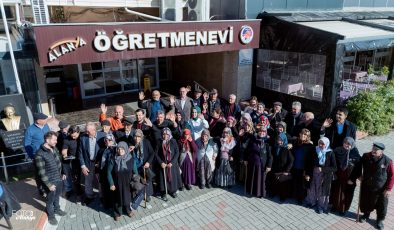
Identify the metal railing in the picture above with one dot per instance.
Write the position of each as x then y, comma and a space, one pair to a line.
5, 166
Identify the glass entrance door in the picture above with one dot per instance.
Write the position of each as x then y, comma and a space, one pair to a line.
105, 78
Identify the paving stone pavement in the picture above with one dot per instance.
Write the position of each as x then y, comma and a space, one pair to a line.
224, 209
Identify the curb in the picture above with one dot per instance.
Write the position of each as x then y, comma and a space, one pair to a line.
42, 221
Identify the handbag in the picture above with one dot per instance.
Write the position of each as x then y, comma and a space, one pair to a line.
137, 199
282, 177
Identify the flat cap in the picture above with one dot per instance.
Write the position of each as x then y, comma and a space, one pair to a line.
197, 90
379, 145
63, 124
127, 121
213, 91
105, 122
278, 103
39, 116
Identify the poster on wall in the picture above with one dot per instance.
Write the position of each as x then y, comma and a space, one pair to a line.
246, 57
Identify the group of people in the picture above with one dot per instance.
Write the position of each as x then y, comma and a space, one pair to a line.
206, 141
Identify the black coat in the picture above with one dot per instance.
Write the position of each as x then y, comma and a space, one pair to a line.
290, 119
147, 105
120, 135
283, 161
83, 149
328, 169
349, 130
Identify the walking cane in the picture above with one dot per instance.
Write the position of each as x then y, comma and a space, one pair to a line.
251, 187
359, 200
246, 176
146, 184
165, 180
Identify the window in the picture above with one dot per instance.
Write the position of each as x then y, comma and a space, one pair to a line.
298, 74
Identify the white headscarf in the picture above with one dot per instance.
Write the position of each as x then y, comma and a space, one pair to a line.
321, 154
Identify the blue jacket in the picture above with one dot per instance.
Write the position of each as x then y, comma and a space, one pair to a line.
34, 138
83, 150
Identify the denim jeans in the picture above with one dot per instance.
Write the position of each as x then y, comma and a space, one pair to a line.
52, 204
68, 171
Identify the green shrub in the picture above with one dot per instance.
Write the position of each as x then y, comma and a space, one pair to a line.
373, 112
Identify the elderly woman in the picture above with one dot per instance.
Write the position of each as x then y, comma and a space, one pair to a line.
119, 174
104, 156
259, 163
349, 166
279, 177
206, 157
224, 175
197, 123
187, 159
320, 170
167, 157
143, 155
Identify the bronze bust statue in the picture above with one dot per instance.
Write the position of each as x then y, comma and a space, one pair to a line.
11, 121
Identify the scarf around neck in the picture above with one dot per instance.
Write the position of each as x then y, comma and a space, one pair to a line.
321, 153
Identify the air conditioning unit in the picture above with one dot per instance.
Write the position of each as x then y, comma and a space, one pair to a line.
172, 10
198, 10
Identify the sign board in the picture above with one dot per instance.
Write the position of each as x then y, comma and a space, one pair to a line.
64, 44
13, 140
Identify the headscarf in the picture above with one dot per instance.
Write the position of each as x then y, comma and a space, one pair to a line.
121, 160
343, 155
321, 154
198, 109
283, 145
138, 151
166, 131
184, 141
206, 132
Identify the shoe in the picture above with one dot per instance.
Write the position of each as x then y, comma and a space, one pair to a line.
174, 195
52, 220
87, 201
60, 213
181, 188
164, 197
379, 224
201, 186
319, 211
364, 218
188, 187
117, 218
209, 186
326, 211
342, 213
130, 214
68, 194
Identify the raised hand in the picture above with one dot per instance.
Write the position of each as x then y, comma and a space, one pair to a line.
103, 108
141, 96
327, 123
172, 99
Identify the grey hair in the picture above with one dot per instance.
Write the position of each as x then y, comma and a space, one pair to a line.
296, 104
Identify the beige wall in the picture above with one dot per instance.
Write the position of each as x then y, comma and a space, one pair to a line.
42, 89
214, 70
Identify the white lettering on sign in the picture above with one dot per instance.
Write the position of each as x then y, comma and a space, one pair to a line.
120, 41
63, 47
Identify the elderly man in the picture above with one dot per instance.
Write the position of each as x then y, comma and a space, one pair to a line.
213, 102
232, 108
277, 114
309, 122
377, 183
155, 104
90, 144
184, 104
127, 133
292, 119
34, 138
116, 120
